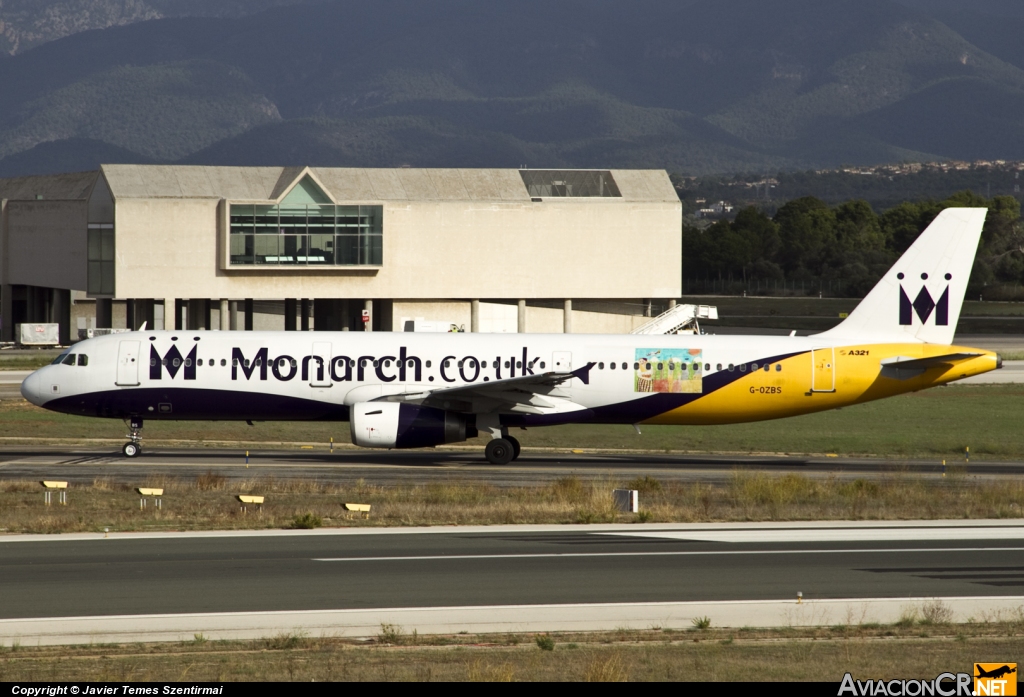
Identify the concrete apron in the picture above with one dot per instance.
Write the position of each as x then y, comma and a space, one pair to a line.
502, 619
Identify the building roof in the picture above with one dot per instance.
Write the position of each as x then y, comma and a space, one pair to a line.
51, 187
355, 184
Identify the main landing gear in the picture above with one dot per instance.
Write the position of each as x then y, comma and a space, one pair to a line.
501, 451
133, 448
503, 448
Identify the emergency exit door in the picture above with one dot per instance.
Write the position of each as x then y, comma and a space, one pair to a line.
823, 377
561, 361
128, 364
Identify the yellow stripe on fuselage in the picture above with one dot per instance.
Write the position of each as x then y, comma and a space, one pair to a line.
858, 377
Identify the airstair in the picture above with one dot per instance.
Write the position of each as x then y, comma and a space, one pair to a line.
681, 319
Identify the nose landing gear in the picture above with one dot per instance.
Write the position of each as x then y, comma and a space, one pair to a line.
133, 448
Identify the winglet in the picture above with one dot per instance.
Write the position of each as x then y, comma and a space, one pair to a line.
583, 373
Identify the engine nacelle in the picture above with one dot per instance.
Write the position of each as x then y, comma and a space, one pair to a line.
395, 425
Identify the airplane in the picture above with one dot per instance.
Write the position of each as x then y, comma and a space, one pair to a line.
995, 672
414, 390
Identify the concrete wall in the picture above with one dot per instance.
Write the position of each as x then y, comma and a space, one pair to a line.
583, 248
539, 320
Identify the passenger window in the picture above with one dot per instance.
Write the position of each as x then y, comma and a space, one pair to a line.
636, 366
778, 367
624, 367
611, 366
767, 367
743, 367
376, 363
506, 364
718, 367
427, 364
647, 367
223, 362
519, 364
188, 362
199, 362
707, 366
696, 367
661, 366
600, 366
731, 367
69, 359
754, 367
542, 364
234, 362
83, 359
447, 364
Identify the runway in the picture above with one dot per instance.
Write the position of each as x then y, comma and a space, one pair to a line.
83, 465
494, 575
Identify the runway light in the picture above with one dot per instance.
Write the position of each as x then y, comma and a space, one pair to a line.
799, 597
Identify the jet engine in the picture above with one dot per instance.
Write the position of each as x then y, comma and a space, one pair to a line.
394, 425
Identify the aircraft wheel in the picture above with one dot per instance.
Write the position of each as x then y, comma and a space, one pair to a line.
499, 452
516, 448
131, 450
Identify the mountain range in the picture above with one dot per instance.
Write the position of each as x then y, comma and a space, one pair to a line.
693, 86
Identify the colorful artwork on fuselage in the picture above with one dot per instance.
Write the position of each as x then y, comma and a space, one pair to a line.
667, 370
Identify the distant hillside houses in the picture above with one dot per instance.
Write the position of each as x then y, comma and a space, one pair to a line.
715, 209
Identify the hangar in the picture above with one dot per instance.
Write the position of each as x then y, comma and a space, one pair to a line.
297, 248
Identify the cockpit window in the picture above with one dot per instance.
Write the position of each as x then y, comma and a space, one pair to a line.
83, 359
59, 359
69, 359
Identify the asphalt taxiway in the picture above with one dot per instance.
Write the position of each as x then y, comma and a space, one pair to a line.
84, 464
487, 578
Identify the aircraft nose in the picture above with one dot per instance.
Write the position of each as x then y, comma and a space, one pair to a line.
32, 388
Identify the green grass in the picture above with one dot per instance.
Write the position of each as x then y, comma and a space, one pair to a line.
22, 362
937, 423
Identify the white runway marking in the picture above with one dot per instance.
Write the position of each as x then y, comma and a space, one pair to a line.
570, 555
834, 535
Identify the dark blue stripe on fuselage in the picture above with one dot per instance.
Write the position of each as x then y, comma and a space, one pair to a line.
198, 404
637, 410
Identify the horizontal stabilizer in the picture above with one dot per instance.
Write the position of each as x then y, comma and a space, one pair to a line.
904, 367
903, 362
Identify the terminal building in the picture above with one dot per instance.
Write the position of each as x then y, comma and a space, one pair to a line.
310, 248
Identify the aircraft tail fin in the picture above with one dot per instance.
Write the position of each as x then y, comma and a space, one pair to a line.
920, 297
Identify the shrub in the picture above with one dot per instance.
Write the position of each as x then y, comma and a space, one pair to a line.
307, 521
545, 643
645, 484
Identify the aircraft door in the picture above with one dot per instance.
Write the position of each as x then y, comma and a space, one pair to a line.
823, 377
320, 370
128, 364
561, 361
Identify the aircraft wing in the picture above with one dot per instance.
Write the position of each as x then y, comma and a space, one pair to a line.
528, 394
903, 367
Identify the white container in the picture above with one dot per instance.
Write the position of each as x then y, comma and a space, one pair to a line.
38, 334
